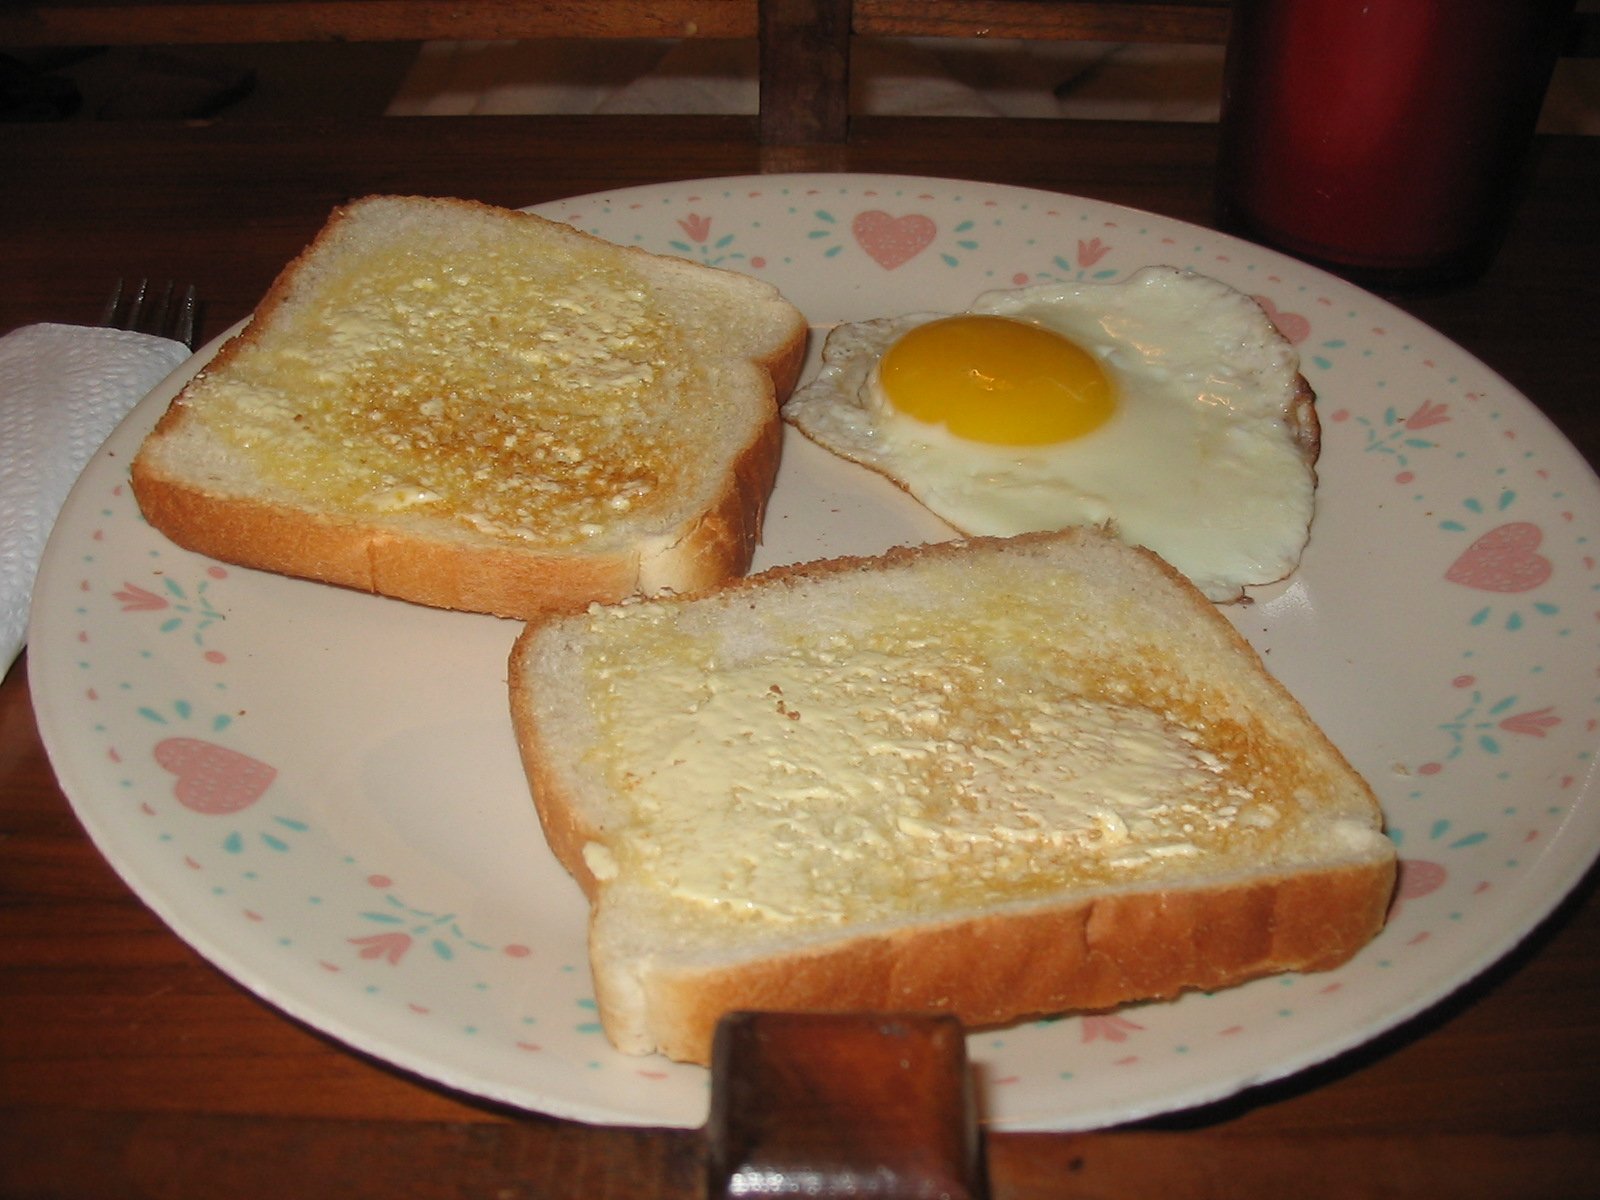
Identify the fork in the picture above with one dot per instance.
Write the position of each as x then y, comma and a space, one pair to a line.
151, 309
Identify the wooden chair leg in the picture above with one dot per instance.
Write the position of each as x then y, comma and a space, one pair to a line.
842, 1105
805, 71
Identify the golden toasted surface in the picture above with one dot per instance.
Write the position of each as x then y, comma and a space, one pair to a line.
972, 734
469, 374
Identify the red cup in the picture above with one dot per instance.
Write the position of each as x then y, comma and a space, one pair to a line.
1383, 139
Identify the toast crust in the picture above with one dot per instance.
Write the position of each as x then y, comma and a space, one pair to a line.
479, 574
997, 969
506, 582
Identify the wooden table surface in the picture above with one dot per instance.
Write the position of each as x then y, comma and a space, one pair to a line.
129, 1067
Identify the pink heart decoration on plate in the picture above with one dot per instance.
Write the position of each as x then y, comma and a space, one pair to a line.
1417, 878
213, 779
1505, 559
892, 241
1294, 327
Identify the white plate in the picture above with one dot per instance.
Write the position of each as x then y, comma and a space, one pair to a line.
319, 790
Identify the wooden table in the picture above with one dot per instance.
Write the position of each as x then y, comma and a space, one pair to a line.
129, 1067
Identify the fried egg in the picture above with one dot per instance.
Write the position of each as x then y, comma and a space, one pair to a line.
1166, 407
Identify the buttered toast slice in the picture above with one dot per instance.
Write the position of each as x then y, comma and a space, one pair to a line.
477, 408
999, 778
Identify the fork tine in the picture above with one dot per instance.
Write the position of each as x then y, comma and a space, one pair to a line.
184, 324
135, 311
156, 321
108, 315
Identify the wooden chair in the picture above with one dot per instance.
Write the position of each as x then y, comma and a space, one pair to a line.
805, 44
220, 22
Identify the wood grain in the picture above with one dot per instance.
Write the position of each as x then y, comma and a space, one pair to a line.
216, 22
226, 22
1170, 21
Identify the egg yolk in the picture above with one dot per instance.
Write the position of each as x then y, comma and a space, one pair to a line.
996, 380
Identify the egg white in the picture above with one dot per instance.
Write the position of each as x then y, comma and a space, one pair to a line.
1208, 459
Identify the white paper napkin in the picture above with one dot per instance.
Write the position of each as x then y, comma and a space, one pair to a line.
63, 388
